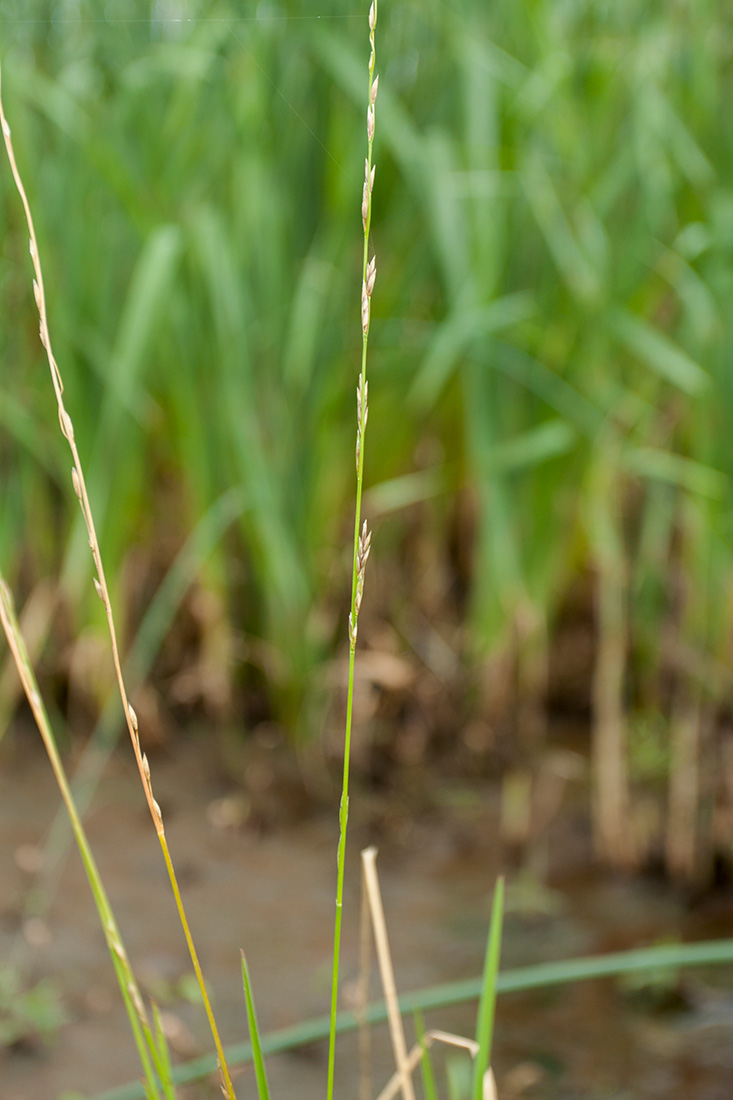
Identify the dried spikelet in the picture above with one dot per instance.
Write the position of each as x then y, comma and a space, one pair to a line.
75, 482
371, 275
373, 16
364, 309
98, 589
365, 544
66, 426
133, 717
370, 122
374, 89
362, 391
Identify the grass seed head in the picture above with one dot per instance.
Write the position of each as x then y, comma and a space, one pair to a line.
67, 427
371, 275
365, 543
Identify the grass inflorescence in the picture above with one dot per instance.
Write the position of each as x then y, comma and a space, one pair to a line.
362, 536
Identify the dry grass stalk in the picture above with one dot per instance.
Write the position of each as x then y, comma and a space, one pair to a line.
100, 583
611, 794
147, 1048
77, 475
35, 622
401, 1080
406, 1062
681, 849
362, 997
418, 1052
386, 970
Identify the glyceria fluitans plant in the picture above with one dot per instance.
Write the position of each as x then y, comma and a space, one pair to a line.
100, 584
362, 536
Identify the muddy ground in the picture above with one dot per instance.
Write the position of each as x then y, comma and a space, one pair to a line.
258, 872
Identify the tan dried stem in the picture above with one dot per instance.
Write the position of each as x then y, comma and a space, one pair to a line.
386, 970
100, 581
77, 474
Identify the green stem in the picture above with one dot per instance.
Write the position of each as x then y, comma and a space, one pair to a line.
142, 1033
361, 550
223, 1068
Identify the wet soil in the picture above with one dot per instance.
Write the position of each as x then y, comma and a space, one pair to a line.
256, 879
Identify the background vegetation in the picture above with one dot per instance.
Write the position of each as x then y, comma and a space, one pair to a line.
548, 468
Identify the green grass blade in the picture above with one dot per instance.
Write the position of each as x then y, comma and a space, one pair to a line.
487, 1003
164, 1065
144, 1041
661, 354
711, 953
259, 1062
426, 1064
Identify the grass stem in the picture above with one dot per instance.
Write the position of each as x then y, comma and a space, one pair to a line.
362, 537
100, 583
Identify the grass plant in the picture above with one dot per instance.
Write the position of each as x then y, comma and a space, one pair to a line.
603, 445
149, 1041
362, 537
487, 1000
263, 1090
553, 188
153, 1043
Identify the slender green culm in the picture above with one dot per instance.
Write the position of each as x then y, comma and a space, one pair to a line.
487, 1002
78, 481
155, 1068
430, 1088
362, 537
161, 1041
263, 1090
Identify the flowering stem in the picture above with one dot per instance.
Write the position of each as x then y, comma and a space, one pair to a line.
362, 537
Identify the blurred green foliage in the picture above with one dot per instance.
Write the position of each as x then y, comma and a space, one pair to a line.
27, 1015
551, 325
